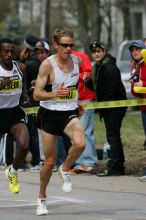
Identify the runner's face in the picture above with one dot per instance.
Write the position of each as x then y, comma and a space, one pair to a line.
97, 54
7, 53
64, 46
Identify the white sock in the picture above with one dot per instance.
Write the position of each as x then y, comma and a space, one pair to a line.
12, 170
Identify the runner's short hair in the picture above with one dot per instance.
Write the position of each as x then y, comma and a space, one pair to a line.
62, 32
5, 40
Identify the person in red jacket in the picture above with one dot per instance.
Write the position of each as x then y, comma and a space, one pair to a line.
87, 162
138, 75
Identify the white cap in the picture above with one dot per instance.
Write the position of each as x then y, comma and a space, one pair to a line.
42, 45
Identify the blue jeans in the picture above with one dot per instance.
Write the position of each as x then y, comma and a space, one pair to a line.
63, 145
89, 155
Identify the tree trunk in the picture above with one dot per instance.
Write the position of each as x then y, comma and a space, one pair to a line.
43, 19
126, 18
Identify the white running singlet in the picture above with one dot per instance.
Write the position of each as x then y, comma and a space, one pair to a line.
70, 81
10, 95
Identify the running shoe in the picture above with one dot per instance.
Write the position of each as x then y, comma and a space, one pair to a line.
35, 169
55, 169
86, 169
66, 184
72, 171
143, 178
42, 207
14, 186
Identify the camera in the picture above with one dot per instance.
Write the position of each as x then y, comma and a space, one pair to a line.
135, 77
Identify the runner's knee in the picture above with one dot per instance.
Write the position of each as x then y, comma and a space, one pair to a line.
23, 143
80, 145
49, 163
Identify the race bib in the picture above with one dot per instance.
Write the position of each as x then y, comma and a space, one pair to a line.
70, 96
15, 85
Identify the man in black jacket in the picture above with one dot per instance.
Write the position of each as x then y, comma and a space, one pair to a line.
106, 82
32, 64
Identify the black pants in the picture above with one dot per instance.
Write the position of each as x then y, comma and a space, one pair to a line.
9, 149
113, 119
34, 139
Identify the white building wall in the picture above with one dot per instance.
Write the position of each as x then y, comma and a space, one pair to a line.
117, 16
117, 26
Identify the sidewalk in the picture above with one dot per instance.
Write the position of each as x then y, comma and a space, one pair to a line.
92, 198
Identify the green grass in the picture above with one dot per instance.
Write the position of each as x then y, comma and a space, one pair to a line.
133, 137
132, 133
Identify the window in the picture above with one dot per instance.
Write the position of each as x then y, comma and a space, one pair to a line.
136, 21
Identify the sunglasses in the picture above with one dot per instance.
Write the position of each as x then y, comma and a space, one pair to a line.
66, 45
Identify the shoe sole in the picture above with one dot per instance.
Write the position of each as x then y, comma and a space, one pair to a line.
42, 214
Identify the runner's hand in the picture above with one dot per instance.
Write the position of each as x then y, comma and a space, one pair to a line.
61, 91
85, 77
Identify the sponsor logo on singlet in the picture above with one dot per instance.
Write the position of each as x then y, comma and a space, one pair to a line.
74, 74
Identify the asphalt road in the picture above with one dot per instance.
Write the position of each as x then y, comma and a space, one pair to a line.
99, 198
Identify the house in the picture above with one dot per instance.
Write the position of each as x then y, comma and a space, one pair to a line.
30, 13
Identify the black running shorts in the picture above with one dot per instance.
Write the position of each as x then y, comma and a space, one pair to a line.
10, 117
54, 122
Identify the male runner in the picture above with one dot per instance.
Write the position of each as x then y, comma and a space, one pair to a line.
12, 117
56, 89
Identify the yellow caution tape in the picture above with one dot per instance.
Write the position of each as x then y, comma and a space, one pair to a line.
139, 89
115, 104
31, 110
100, 105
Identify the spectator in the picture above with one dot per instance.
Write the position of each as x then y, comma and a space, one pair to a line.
32, 64
138, 75
42, 50
106, 82
87, 162
138, 78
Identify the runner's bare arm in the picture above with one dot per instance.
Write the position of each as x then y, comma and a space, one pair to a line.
24, 97
45, 77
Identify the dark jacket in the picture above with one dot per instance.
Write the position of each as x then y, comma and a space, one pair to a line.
106, 80
31, 71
